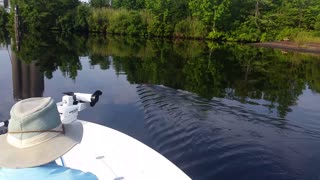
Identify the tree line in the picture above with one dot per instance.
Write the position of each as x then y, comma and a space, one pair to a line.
227, 20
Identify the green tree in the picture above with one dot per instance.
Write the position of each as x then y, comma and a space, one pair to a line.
317, 23
4, 17
100, 3
129, 4
44, 14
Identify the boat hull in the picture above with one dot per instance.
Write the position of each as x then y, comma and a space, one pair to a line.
110, 154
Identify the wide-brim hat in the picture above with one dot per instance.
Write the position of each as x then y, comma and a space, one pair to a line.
36, 135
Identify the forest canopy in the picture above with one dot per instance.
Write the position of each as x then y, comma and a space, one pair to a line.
228, 20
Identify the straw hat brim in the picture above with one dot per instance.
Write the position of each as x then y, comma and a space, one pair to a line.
12, 157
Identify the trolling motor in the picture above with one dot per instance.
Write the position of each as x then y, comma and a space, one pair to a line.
69, 107
72, 103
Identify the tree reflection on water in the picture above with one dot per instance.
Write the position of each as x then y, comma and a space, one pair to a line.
239, 72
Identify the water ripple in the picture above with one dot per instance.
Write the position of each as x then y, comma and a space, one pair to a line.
219, 138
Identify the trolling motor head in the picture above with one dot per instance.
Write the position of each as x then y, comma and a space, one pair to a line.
95, 98
84, 98
72, 103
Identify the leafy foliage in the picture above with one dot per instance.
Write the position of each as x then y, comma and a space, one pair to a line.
4, 17
129, 4
117, 21
227, 20
49, 14
100, 3
190, 28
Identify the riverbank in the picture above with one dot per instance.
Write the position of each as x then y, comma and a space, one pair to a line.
291, 46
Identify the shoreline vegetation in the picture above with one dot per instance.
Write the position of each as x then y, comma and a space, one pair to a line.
248, 21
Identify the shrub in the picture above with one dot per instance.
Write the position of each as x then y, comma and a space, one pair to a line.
190, 28
81, 19
287, 33
317, 23
3, 17
98, 19
158, 27
117, 21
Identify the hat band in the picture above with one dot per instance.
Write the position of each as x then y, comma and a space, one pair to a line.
35, 140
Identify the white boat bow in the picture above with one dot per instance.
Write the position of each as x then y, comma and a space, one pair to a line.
110, 154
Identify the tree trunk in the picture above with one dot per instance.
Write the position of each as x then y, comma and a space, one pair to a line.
257, 13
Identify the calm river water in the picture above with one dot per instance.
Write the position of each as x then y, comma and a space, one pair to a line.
218, 111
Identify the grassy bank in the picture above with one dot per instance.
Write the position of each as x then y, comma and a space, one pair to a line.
307, 37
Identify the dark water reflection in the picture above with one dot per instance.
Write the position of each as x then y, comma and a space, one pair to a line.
221, 139
224, 111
